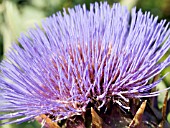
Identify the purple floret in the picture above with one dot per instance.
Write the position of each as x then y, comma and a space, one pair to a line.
76, 57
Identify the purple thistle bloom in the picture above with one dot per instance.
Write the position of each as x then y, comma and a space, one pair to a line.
100, 54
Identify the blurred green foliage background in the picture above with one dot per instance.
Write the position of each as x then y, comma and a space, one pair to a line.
17, 16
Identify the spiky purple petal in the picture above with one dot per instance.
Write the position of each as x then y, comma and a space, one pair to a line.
80, 56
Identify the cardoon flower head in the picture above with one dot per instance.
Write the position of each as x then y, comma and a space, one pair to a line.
83, 58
